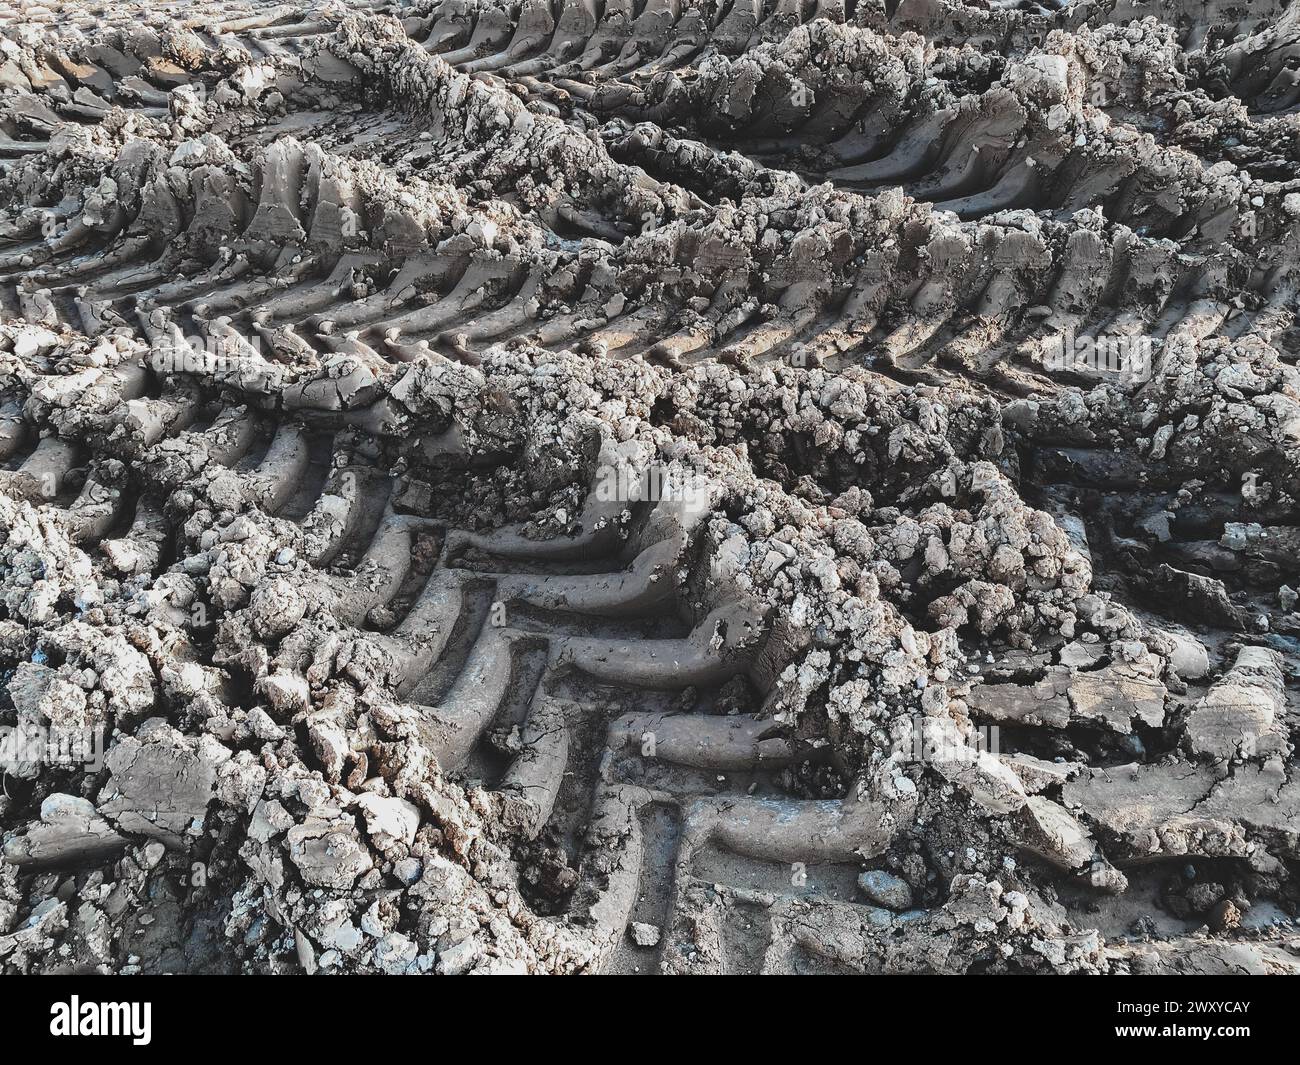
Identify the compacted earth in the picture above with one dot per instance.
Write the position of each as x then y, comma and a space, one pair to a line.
650, 486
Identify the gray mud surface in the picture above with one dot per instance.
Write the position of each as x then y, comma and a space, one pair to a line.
632, 486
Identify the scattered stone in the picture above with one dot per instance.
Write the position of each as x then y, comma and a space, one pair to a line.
644, 935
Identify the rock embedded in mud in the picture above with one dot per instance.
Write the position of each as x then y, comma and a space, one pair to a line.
884, 889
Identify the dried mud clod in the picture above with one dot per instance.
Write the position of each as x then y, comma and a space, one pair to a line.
621, 487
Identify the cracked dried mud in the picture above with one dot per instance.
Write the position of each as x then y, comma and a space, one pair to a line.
648, 486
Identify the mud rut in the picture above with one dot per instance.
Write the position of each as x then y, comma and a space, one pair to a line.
324, 329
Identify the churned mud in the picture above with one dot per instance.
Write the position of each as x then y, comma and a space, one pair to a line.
633, 486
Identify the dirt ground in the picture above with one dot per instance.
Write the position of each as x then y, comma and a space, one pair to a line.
648, 486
